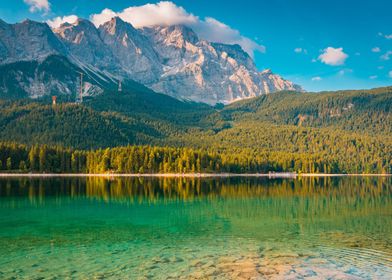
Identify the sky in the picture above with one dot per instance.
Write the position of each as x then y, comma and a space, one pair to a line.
318, 44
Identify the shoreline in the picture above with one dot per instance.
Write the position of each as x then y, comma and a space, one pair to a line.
282, 175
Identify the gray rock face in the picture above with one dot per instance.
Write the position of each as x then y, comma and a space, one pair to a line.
132, 49
85, 44
167, 59
28, 40
51, 76
208, 72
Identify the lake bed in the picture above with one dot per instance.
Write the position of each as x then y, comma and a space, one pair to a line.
196, 228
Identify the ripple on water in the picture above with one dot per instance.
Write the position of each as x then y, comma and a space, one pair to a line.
251, 230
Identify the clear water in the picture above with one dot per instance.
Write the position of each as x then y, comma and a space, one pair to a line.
131, 228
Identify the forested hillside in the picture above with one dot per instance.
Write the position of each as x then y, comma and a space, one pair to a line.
368, 111
346, 131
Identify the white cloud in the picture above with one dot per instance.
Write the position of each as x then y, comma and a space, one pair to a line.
301, 50
316, 79
38, 5
56, 22
373, 77
162, 13
167, 13
298, 50
104, 16
333, 56
376, 49
345, 71
213, 30
390, 74
386, 36
386, 56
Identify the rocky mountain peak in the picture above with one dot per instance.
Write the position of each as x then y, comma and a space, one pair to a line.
170, 39
3, 23
30, 27
28, 40
83, 41
133, 51
178, 33
117, 26
266, 72
168, 59
235, 52
77, 31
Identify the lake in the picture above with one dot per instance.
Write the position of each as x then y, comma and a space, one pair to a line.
176, 228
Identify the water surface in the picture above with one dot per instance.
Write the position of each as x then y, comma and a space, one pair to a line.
227, 228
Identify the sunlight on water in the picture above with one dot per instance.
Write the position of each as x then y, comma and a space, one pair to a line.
142, 228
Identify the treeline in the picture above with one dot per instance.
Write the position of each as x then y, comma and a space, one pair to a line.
147, 159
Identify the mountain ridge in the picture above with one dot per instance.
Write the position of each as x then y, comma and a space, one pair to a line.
168, 59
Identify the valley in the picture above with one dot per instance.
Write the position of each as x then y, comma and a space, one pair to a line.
287, 131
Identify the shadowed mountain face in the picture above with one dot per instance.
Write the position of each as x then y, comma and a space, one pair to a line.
28, 40
168, 59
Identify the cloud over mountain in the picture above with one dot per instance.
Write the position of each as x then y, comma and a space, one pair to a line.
166, 13
57, 21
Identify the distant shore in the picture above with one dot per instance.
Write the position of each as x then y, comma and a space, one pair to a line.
274, 175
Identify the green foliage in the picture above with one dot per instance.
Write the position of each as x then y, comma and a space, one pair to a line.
147, 159
346, 132
368, 111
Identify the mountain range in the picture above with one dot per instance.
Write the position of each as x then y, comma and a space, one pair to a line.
178, 91
36, 61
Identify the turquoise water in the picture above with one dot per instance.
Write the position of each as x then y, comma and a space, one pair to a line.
248, 228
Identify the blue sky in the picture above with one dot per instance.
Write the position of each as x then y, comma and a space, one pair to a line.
321, 45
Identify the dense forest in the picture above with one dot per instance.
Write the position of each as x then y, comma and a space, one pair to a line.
145, 132
147, 159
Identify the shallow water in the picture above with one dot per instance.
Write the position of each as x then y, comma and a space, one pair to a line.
233, 228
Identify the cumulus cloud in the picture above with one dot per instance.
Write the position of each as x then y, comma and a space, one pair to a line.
167, 13
373, 77
316, 79
376, 49
104, 16
213, 30
333, 56
390, 74
386, 56
56, 22
38, 5
162, 13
